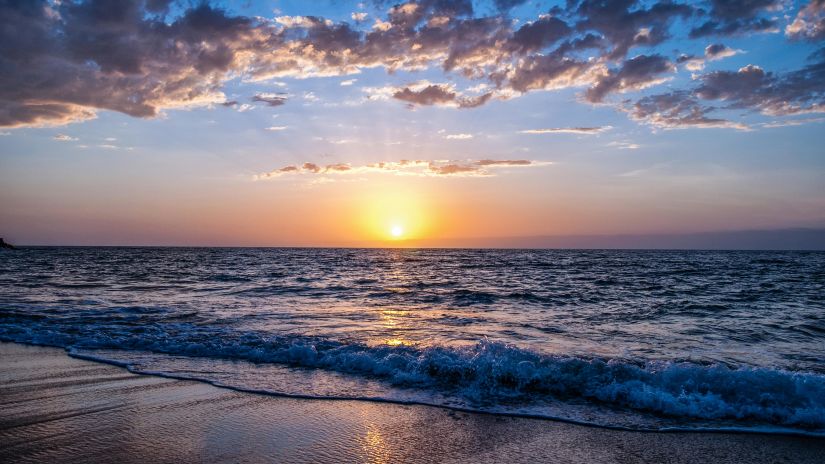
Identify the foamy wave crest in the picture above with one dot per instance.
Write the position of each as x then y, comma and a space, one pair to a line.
490, 373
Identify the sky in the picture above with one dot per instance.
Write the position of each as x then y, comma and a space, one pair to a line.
434, 122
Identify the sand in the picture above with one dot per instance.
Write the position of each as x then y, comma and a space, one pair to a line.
54, 408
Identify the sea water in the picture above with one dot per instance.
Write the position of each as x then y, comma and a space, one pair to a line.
654, 340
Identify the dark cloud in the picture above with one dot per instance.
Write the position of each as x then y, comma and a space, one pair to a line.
751, 87
271, 99
677, 110
430, 95
568, 130
627, 23
539, 34
636, 73
726, 17
158, 6
435, 94
548, 72
716, 50
506, 5
64, 61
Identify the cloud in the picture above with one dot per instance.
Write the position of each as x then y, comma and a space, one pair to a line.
624, 145
626, 23
458, 136
141, 58
719, 51
490, 162
568, 130
438, 95
505, 5
418, 168
809, 23
72, 59
635, 74
677, 110
727, 17
348, 82
751, 87
539, 34
65, 138
271, 99
691, 62
277, 128
792, 122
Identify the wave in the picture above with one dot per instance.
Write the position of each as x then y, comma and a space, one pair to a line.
489, 373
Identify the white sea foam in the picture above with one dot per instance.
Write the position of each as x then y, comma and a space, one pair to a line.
489, 374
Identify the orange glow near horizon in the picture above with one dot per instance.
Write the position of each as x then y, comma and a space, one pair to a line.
395, 216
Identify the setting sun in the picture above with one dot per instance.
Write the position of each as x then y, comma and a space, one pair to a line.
397, 231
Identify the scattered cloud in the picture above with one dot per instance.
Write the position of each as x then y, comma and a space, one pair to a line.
141, 62
691, 62
715, 52
277, 128
427, 94
725, 18
749, 88
624, 145
348, 82
420, 168
677, 110
65, 138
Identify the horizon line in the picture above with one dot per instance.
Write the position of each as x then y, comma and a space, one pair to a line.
801, 239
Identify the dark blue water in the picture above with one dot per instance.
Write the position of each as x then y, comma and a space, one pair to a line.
638, 339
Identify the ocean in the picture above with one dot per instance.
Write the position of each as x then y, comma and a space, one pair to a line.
645, 340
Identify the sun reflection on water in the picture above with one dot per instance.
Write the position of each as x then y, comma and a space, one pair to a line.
374, 445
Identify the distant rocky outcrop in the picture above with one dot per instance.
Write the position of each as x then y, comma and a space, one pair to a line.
3, 244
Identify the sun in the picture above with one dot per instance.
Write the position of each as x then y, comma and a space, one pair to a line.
396, 231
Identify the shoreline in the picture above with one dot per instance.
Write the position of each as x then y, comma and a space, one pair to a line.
80, 410
516, 415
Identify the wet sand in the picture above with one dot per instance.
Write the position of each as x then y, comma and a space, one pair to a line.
54, 408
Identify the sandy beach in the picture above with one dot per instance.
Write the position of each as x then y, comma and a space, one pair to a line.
59, 409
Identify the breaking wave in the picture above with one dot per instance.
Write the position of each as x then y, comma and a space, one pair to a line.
489, 374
